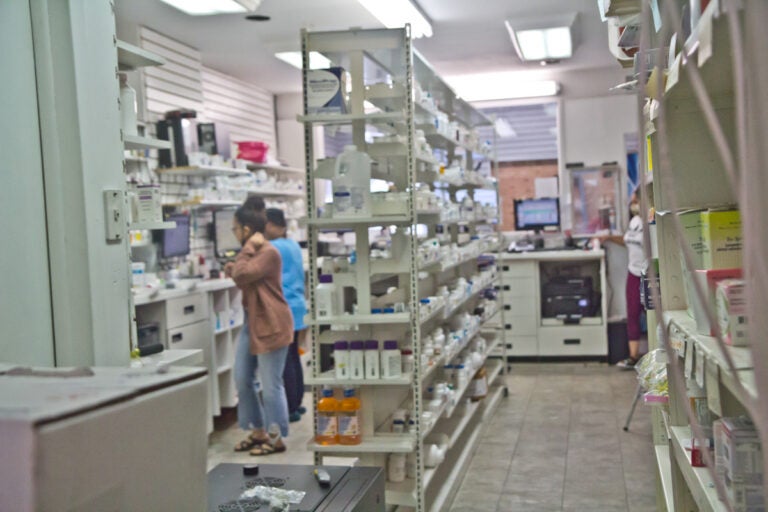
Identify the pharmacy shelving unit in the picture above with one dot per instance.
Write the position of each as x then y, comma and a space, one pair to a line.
700, 181
373, 58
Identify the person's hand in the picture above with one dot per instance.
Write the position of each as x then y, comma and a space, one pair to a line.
228, 268
257, 240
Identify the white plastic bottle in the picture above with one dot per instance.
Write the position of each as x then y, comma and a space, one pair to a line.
356, 360
372, 363
326, 303
391, 361
128, 108
341, 359
352, 184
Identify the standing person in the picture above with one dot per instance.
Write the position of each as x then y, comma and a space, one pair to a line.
264, 338
293, 289
633, 239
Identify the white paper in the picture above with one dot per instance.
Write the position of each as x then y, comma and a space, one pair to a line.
545, 187
700, 359
705, 37
656, 15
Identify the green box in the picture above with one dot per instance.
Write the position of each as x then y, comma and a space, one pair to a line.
721, 239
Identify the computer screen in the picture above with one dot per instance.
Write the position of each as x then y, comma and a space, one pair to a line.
176, 240
224, 241
537, 214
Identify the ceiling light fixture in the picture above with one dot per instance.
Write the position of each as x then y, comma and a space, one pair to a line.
543, 40
208, 7
396, 13
504, 85
316, 60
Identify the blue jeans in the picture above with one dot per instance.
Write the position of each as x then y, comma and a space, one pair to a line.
262, 372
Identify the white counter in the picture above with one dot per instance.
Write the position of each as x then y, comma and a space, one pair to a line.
574, 255
183, 287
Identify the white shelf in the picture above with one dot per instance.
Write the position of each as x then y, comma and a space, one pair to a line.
224, 369
138, 226
203, 171
699, 482
490, 402
465, 300
384, 117
130, 57
384, 318
381, 220
664, 466
281, 168
329, 379
456, 470
395, 443
139, 142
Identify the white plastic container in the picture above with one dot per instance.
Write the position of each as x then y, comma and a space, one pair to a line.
341, 359
396, 467
128, 108
352, 184
356, 360
391, 361
372, 360
326, 298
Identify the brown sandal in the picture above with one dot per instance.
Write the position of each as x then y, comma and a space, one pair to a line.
267, 449
248, 443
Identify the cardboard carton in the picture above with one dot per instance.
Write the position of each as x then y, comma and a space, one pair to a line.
732, 311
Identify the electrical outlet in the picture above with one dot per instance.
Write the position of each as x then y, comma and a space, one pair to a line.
114, 215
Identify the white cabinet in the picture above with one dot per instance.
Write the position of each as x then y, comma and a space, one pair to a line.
526, 332
186, 310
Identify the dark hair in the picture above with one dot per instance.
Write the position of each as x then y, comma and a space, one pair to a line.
247, 217
255, 203
276, 217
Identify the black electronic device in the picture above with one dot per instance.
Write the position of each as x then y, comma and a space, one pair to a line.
330, 489
569, 298
225, 243
172, 129
206, 138
537, 214
175, 241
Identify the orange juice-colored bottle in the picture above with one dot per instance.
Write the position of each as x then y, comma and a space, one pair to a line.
327, 421
349, 419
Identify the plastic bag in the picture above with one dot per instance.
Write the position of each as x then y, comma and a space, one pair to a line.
279, 500
652, 372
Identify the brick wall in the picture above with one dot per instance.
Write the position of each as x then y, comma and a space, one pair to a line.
516, 181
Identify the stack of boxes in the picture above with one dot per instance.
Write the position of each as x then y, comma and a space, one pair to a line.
739, 463
714, 237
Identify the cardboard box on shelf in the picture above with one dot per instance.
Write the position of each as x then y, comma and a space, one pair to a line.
327, 91
739, 461
731, 311
721, 239
708, 280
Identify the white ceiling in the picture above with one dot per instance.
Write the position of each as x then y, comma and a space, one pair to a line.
469, 36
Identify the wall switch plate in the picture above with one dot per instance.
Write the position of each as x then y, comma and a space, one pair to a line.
114, 215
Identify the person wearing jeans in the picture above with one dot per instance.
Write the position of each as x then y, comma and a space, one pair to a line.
264, 338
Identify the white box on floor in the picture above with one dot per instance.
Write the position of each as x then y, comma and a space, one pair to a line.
120, 440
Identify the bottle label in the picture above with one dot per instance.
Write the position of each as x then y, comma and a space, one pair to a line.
326, 425
480, 388
349, 425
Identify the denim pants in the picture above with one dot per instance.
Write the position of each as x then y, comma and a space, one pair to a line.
264, 373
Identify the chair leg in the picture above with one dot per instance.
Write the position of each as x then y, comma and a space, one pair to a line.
638, 394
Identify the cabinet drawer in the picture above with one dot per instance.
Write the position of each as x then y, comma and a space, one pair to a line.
573, 341
186, 310
197, 335
518, 286
522, 346
517, 325
518, 268
519, 306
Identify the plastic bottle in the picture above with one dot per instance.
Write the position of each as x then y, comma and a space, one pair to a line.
327, 421
396, 467
408, 361
326, 300
352, 184
349, 419
372, 363
128, 108
391, 361
341, 359
356, 360
479, 386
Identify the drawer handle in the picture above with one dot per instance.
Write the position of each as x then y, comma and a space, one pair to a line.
177, 337
505, 268
497, 288
507, 307
507, 288
508, 327
572, 341
188, 310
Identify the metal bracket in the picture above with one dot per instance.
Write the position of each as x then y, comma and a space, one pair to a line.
114, 222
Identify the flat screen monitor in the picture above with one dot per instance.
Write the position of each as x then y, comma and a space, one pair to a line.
176, 240
224, 241
537, 214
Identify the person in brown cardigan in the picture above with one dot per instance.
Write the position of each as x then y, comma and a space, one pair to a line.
263, 343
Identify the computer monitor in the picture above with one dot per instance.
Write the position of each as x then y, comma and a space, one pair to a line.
225, 244
537, 214
176, 241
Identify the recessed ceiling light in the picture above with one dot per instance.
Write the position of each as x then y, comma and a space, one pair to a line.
543, 40
500, 86
208, 7
396, 13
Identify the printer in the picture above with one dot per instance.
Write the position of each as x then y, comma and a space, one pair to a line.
350, 489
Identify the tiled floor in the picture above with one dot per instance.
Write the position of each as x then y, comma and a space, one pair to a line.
556, 443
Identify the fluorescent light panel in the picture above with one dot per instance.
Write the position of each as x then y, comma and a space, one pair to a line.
536, 41
500, 86
316, 60
396, 13
207, 7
